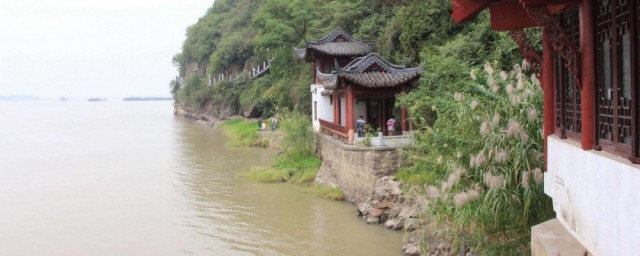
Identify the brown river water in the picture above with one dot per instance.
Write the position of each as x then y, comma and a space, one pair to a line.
129, 178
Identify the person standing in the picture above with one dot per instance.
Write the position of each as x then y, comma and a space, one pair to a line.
360, 126
391, 126
274, 123
259, 124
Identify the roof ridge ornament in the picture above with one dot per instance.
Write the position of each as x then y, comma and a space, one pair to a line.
332, 36
361, 64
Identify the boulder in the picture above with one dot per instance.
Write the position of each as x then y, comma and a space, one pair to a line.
399, 224
383, 205
411, 250
394, 212
375, 212
373, 220
389, 224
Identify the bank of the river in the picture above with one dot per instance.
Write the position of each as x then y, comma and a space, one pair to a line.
384, 202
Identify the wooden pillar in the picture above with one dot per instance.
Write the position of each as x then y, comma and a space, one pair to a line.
588, 74
339, 110
548, 85
336, 107
349, 99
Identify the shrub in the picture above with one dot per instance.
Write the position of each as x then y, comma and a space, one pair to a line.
484, 157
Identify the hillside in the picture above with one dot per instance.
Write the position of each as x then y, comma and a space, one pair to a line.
235, 36
475, 110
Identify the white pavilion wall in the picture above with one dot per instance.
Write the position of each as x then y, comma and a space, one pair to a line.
595, 196
324, 107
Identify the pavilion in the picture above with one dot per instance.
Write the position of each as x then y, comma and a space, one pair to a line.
590, 72
350, 81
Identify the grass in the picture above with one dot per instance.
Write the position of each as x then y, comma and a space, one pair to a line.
297, 164
268, 175
285, 170
326, 192
242, 132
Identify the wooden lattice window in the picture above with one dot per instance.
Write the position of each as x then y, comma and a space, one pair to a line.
568, 102
617, 75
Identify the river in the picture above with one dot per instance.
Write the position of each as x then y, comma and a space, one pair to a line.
129, 178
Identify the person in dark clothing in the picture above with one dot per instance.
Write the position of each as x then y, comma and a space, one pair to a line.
360, 126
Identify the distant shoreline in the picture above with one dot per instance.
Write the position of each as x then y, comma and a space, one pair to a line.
146, 98
17, 97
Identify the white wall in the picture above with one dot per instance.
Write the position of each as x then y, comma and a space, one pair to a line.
595, 196
325, 109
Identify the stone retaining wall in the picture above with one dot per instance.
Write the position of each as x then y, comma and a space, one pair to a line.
354, 169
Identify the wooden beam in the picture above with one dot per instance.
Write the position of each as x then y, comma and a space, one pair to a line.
548, 92
558, 38
550, 2
464, 10
527, 49
509, 15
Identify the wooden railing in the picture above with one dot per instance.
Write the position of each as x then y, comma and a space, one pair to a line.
334, 129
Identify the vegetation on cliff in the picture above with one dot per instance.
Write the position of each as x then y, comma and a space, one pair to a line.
479, 141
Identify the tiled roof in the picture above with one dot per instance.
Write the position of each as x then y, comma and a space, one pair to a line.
334, 35
326, 92
337, 43
371, 71
302, 52
328, 80
377, 79
344, 48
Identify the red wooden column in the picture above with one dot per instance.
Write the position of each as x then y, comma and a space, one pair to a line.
548, 87
336, 107
339, 109
349, 118
588, 74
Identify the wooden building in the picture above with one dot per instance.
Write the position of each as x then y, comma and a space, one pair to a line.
338, 46
369, 85
351, 81
589, 71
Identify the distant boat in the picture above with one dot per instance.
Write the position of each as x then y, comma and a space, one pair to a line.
97, 99
64, 99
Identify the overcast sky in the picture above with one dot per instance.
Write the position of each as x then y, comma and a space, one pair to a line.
92, 48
